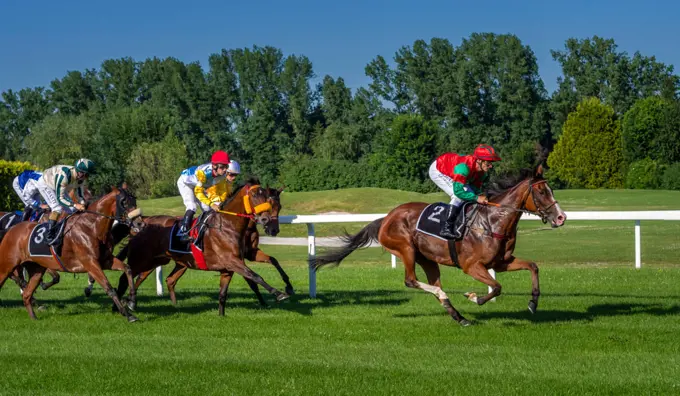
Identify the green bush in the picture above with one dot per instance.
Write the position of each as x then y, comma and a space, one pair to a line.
671, 177
312, 174
588, 153
8, 171
153, 168
644, 174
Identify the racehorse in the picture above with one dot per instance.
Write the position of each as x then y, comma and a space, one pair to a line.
223, 241
489, 242
252, 252
41, 216
87, 246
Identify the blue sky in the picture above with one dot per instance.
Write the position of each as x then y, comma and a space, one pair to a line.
41, 40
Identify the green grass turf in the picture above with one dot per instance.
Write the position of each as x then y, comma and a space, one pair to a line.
602, 326
599, 330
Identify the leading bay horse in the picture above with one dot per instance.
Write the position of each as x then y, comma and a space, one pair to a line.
252, 251
223, 242
87, 246
488, 244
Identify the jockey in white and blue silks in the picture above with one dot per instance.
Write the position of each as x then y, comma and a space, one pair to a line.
26, 188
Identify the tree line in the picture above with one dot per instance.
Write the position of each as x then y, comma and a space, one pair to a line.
613, 121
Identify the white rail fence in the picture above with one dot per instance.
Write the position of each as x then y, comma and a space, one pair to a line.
310, 220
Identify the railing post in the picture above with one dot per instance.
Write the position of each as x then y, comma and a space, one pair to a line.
492, 272
394, 261
311, 253
159, 281
638, 254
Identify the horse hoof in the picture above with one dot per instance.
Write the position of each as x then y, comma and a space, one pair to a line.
471, 296
290, 291
131, 305
132, 319
532, 307
88, 292
282, 297
42, 308
464, 323
43, 286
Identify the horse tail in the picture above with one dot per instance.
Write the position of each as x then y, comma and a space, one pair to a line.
350, 243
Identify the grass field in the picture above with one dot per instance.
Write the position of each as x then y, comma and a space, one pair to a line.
602, 326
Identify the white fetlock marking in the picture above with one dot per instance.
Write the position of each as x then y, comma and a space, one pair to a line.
472, 297
437, 291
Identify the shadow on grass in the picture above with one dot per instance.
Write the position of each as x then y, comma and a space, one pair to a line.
558, 316
150, 306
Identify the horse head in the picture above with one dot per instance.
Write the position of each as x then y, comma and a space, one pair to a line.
541, 201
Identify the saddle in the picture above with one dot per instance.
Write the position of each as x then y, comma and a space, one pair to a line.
434, 215
198, 228
39, 244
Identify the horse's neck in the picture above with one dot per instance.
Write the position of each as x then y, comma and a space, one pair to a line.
236, 205
502, 219
106, 206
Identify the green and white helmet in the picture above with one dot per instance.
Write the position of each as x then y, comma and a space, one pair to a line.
85, 165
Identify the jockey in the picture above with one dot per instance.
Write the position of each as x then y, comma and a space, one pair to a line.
27, 190
193, 182
56, 183
462, 177
233, 171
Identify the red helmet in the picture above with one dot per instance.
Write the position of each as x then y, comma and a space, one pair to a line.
486, 153
220, 157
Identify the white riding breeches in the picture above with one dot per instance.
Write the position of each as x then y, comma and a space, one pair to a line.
189, 198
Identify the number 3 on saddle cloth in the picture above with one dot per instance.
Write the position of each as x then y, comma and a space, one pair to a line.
195, 245
38, 242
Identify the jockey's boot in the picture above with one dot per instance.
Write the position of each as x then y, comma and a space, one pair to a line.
447, 230
186, 226
28, 211
51, 231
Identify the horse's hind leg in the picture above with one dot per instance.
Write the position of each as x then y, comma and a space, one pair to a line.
172, 279
434, 279
261, 257
142, 277
479, 272
516, 264
17, 276
36, 273
90, 286
407, 255
225, 279
122, 266
55, 279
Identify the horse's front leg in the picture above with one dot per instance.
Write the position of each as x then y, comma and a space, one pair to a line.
515, 264
479, 272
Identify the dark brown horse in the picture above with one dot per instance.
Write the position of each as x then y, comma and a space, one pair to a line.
489, 242
252, 252
224, 249
87, 246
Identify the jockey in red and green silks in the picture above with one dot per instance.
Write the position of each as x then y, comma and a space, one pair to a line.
462, 178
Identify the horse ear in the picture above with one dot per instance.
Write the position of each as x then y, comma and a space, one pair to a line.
539, 171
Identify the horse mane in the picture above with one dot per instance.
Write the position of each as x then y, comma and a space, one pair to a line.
250, 182
505, 182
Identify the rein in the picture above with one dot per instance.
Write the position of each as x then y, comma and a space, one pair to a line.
250, 211
539, 212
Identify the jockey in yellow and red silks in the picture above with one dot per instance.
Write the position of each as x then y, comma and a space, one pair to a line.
194, 181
